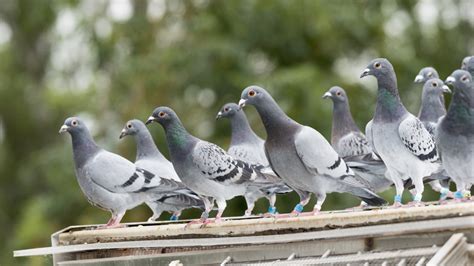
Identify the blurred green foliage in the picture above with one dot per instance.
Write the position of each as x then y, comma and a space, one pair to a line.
110, 61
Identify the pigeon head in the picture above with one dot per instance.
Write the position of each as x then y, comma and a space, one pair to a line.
131, 128
163, 115
435, 87
336, 94
378, 68
465, 62
425, 74
253, 95
228, 110
73, 125
470, 66
461, 80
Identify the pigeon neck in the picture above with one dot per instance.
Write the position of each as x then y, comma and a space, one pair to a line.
83, 147
276, 122
432, 108
342, 121
146, 147
180, 142
241, 130
389, 107
460, 116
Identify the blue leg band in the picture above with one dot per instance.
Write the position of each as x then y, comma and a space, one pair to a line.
397, 198
174, 218
458, 195
272, 209
299, 207
417, 197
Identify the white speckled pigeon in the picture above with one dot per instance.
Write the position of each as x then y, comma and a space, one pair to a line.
302, 157
204, 167
399, 137
246, 146
108, 180
346, 137
455, 134
173, 196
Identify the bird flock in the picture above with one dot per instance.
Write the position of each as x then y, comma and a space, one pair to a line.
398, 149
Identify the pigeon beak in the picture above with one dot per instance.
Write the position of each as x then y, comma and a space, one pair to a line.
327, 95
123, 134
418, 78
446, 89
63, 129
219, 115
450, 80
150, 120
242, 103
365, 73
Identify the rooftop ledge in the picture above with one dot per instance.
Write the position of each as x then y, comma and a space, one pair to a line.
262, 239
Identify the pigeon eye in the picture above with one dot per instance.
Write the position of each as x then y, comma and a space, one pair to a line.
252, 93
226, 109
161, 114
377, 65
434, 84
338, 93
74, 123
129, 125
464, 79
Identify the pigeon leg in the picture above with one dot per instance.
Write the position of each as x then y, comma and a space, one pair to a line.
299, 207
399, 188
272, 211
221, 205
205, 214
155, 216
250, 199
419, 188
175, 216
114, 221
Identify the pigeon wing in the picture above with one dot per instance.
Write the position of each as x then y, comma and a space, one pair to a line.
417, 139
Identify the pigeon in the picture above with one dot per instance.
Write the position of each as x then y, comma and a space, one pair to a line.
455, 134
431, 110
400, 138
246, 146
173, 196
204, 167
302, 157
468, 64
346, 137
108, 180
425, 74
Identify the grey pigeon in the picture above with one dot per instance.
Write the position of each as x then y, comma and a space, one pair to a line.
432, 108
455, 133
424, 75
173, 196
108, 180
246, 146
204, 167
302, 157
468, 64
400, 139
346, 137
